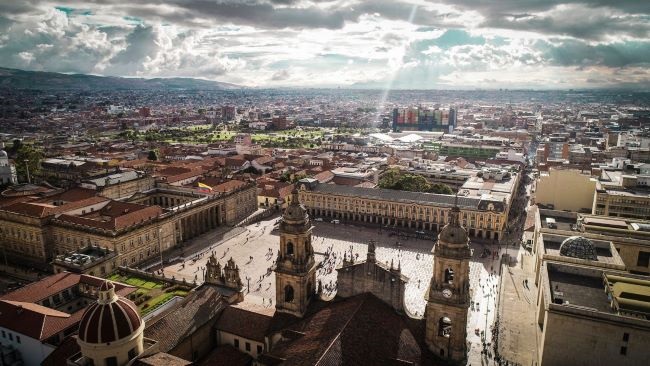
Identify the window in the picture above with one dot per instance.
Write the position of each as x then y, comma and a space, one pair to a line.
18, 338
444, 327
643, 260
11, 337
248, 346
626, 337
449, 276
288, 294
624, 350
259, 349
110, 361
289, 248
236, 343
4, 335
132, 353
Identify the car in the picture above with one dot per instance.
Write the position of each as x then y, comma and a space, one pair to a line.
336, 222
319, 219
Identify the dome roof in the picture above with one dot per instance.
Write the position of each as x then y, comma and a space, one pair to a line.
3, 154
578, 247
453, 233
110, 319
295, 212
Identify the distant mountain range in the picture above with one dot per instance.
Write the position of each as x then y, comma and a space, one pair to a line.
21, 79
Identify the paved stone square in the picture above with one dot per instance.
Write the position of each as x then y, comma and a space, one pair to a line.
255, 247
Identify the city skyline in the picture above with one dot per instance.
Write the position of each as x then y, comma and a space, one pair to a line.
348, 44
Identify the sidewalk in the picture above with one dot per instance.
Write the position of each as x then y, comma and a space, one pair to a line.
517, 328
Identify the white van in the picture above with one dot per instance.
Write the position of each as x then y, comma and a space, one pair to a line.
336, 222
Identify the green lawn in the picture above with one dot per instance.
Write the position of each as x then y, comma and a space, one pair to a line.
147, 289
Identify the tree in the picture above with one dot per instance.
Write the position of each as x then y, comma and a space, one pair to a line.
441, 189
153, 155
17, 144
390, 178
33, 157
395, 179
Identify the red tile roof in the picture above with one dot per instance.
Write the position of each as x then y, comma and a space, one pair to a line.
115, 215
33, 320
161, 359
51, 285
228, 186
244, 323
361, 330
42, 209
227, 355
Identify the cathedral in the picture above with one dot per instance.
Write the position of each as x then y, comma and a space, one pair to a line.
365, 324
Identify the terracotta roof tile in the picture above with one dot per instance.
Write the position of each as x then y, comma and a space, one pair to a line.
244, 323
115, 215
361, 330
198, 308
48, 286
228, 186
161, 359
60, 355
33, 320
227, 355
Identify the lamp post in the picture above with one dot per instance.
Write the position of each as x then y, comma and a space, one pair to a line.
160, 248
27, 169
248, 284
5, 234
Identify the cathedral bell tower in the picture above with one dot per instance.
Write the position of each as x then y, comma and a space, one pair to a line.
448, 297
295, 272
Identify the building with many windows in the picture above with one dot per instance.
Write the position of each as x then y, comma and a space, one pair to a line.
484, 217
622, 195
36, 229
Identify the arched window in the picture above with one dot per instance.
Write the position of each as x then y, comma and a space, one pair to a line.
288, 294
449, 276
444, 327
289, 248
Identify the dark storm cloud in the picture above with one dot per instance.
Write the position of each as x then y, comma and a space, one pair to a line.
615, 55
277, 14
584, 19
524, 6
589, 27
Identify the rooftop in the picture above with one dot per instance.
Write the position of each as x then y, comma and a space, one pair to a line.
578, 289
472, 203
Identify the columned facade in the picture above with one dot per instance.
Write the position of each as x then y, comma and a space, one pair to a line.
484, 219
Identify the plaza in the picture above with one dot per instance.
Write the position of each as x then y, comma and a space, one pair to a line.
254, 249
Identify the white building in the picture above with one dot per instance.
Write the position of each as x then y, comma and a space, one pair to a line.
7, 170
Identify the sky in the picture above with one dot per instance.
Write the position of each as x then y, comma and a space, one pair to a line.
397, 44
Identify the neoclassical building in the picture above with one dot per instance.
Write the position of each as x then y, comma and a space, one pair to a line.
37, 228
483, 217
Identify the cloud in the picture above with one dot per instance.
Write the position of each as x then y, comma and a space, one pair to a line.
280, 75
439, 43
617, 55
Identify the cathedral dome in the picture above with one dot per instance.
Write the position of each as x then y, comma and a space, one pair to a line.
578, 247
453, 233
110, 319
